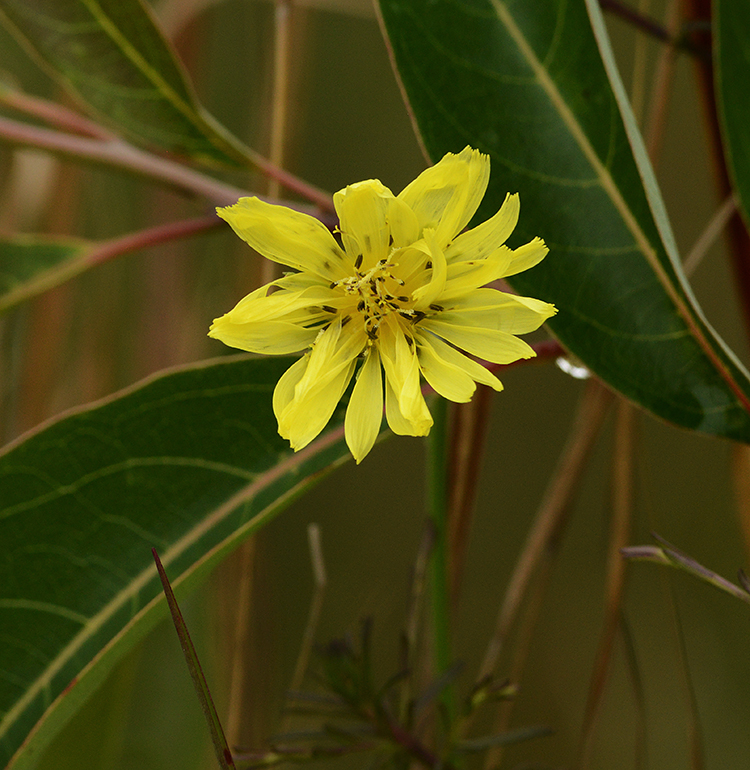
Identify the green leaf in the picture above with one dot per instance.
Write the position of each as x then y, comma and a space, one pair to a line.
526, 83
731, 38
112, 56
30, 265
189, 463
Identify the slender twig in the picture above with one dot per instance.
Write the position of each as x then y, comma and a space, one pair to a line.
652, 28
469, 428
53, 113
283, 10
241, 621
120, 154
552, 515
320, 581
541, 547
151, 236
622, 514
662, 88
708, 237
640, 58
437, 490
221, 748
696, 12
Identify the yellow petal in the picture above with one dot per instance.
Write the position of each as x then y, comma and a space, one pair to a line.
365, 411
287, 236
275, 338
425, 295
275, 324
397, 422
283, 393
304, 418
449, 381
526, 256
483, 239
362, 209
455, 358
446, 196
489, 344
401, 367
464, 277
319, 386
492, 309
403, 223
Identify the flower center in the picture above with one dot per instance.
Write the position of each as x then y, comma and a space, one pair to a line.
379, 292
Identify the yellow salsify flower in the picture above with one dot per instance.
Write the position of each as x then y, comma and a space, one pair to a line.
404, 294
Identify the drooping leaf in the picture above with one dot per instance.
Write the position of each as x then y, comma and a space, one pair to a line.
526, 83
731, 37
112, 56
190, 463
30, 265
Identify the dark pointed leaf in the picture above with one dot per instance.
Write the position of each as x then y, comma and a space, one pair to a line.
112, 56
526, 83
190, 463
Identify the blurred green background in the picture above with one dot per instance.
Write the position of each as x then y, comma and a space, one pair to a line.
150, 310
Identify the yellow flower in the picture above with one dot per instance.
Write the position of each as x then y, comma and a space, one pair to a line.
402, 291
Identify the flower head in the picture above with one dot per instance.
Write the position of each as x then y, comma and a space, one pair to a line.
402, 292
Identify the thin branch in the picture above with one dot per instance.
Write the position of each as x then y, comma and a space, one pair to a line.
121, 154
151, 236
552, 515
708, 237
622, 514
653, 29
53, 113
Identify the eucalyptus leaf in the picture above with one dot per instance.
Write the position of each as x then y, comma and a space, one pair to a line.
112, 56
527, 84
731, 37
190, 463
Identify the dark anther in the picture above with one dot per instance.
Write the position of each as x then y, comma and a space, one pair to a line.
358, 262
402, 299
428, 265
361, 305
345, 320
437, 308
327, 309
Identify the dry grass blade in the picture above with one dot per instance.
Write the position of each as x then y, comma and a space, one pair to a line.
223, 754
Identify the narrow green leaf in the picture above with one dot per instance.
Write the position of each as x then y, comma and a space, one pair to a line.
526, 83
30, 265
112, 56
189, 463
731, 38
670, 556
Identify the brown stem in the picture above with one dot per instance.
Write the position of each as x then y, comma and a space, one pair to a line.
622, 513
698, 13
469, 427
653, 28
552, 515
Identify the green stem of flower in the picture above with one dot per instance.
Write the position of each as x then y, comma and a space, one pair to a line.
437, 500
